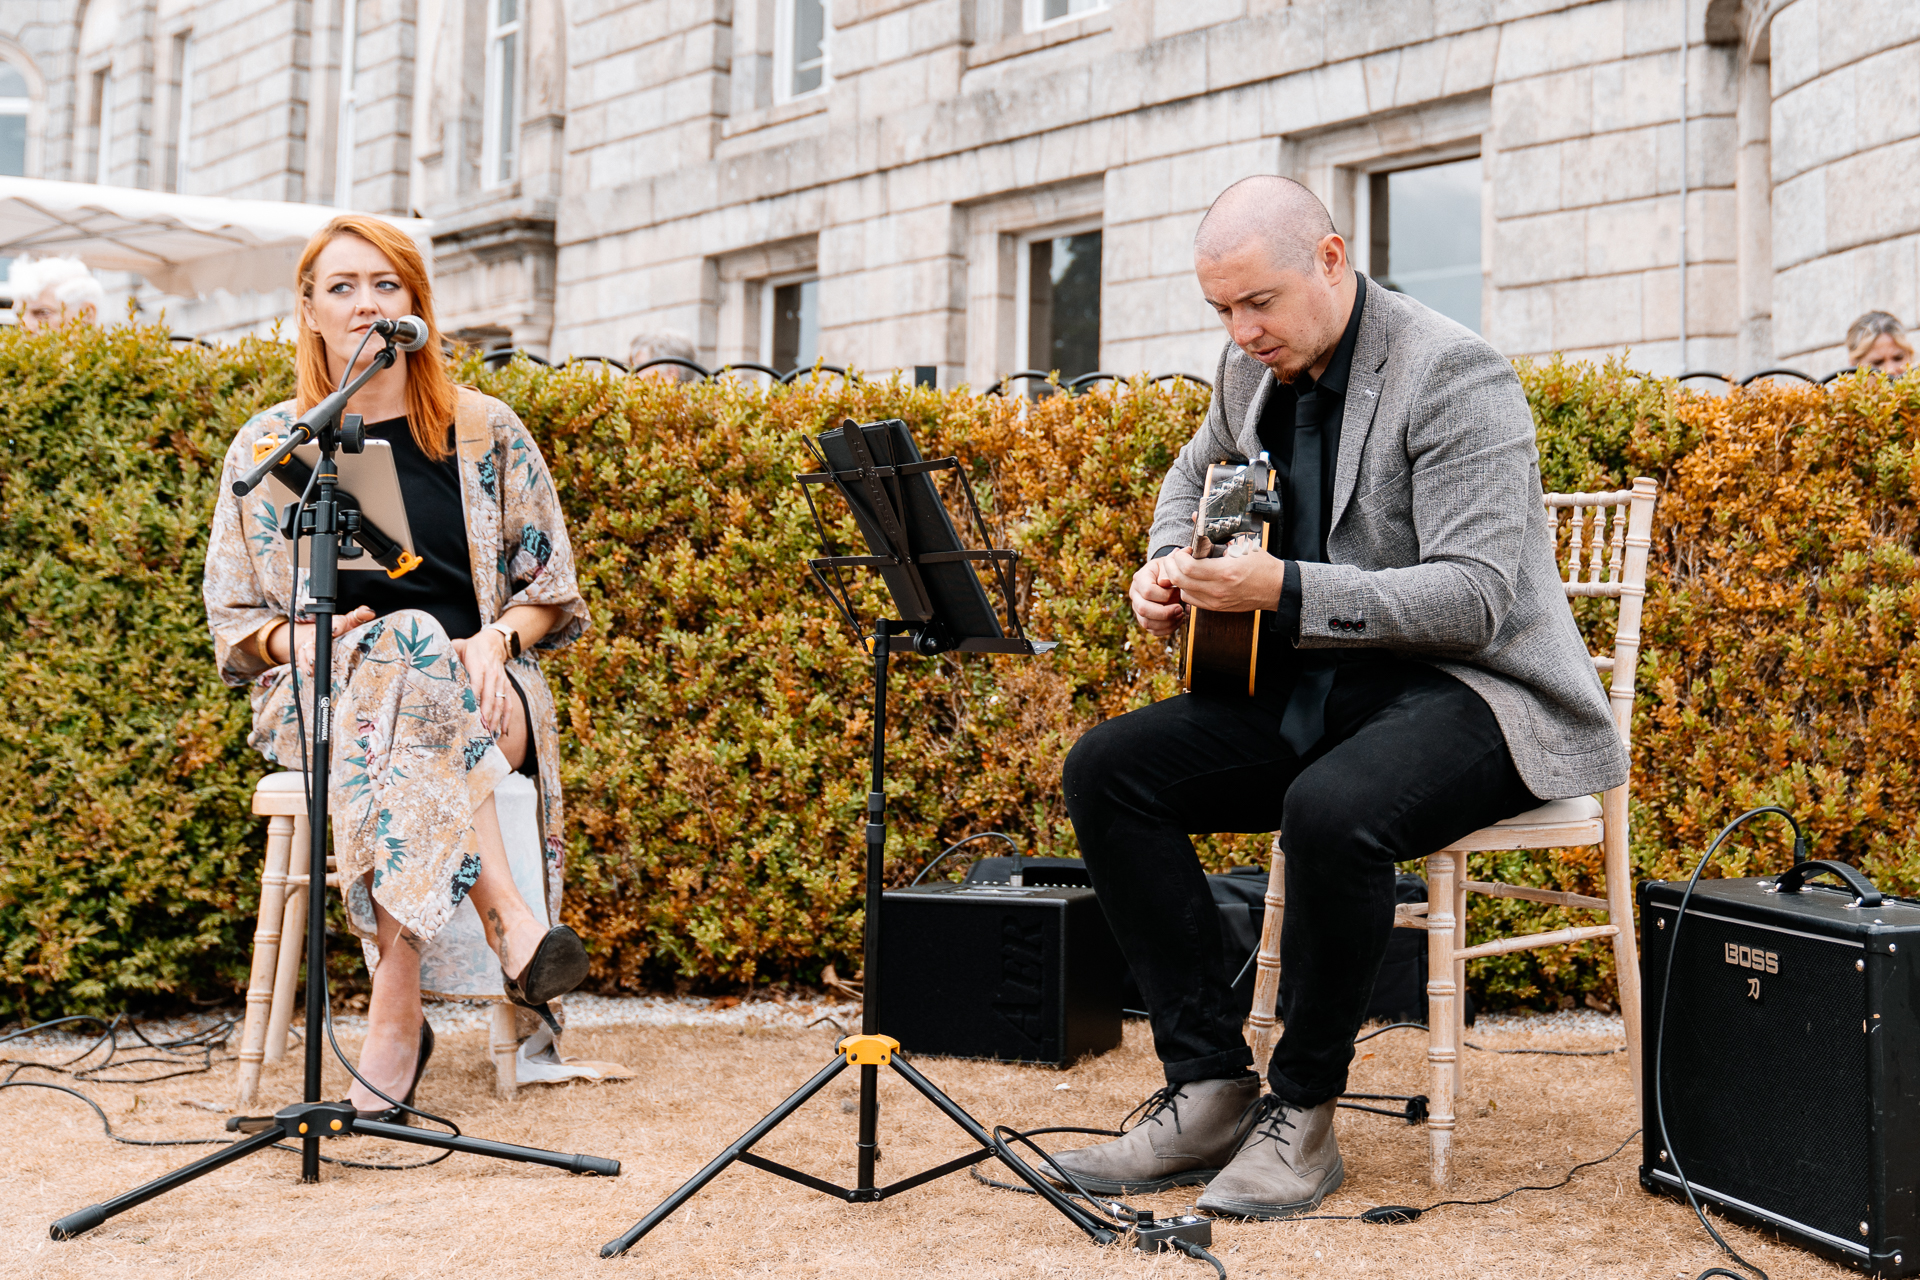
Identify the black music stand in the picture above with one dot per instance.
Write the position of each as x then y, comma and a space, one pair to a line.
914, 545
330, 519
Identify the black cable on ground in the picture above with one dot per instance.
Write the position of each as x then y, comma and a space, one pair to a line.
203, 1043
1551, 1053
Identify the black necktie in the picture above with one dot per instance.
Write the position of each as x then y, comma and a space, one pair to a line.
1303, 723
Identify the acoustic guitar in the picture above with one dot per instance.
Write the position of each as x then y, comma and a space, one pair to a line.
1220, 652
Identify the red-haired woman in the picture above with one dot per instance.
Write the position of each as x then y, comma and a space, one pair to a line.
436, 691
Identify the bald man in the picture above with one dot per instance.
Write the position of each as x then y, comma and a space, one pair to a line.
1419, 677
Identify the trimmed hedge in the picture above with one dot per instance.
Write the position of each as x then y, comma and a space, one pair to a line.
716, 714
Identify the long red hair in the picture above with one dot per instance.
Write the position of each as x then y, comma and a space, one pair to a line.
430, 392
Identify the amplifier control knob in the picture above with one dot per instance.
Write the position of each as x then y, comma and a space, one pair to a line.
1863, 1228
1860, 965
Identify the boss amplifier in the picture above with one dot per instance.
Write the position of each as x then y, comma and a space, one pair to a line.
1791, 1065
1022, 973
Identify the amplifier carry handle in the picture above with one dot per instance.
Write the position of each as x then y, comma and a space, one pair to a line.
1863, 889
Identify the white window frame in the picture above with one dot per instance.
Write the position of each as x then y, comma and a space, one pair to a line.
783, 68
344, 118
182, 125
493, 135
768, 287
100, 131
1033, 12
1023, 278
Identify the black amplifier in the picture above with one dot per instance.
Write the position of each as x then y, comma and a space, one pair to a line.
1791, 1070
1021, 973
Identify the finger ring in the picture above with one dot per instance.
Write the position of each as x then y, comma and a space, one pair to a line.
500, 695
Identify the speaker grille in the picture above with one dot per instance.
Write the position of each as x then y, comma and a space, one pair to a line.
1795, 1143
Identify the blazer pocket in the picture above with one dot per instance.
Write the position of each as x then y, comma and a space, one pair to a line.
1395, 493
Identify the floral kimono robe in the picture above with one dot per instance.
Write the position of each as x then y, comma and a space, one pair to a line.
411, 760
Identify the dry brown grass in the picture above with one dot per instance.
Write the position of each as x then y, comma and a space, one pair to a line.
1528, 1120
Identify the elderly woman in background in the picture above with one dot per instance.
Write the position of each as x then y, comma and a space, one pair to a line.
48, 292
436, 691
1878, 341
662, 346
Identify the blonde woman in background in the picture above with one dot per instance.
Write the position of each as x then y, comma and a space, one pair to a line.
1877, 341
436, 688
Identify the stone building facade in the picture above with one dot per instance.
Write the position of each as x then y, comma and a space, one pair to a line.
983, 185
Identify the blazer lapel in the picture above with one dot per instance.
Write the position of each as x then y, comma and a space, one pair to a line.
1363, 397
1247, 438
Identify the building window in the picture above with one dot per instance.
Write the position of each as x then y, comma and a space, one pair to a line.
1423, 236
14, 108
1060, 303
790, 323
100, 129
502, 137
1042, 13
180, 129
800, 46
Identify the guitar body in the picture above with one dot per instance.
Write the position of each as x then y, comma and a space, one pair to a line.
1220, 652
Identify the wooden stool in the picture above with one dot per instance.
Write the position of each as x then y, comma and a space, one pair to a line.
279, 936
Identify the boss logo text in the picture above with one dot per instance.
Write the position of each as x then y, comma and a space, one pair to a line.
1753, 958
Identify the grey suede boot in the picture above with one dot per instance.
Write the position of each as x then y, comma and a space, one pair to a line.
1186, 1134
1286, 1165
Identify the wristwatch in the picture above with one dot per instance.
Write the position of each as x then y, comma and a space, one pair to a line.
512, 637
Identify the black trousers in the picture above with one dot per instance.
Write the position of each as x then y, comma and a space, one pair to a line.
1411, 761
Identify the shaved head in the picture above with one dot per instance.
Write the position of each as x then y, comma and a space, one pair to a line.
1276, 212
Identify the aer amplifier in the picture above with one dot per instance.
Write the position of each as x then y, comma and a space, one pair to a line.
1791, 1066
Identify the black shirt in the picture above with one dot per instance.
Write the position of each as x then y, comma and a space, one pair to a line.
1276, 436
443, 584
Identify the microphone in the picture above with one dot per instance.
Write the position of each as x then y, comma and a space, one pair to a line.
409, 333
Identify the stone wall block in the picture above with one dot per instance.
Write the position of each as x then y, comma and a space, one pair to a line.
1545, 108
1887, 96
1634, 235
1175, 17
1549, 246
1519, 321
1560, 41
1636, 91
1648, 26
1599, 311
1340, 91
1133, 309
1813, 303
1873, 195
1422, 72
1795, 43
1471, 59
1815, 124
1884, 277
1356, 28
1381, 74
1531, 180
1140, 191
1610, 166
1081, 151
1172, 244
1288, 104
1262, 47
1854, 29
1452, 16
1713, 225
1126, 252
1800, 219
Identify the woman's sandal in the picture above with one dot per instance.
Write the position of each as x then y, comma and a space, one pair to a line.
559, 965
395, 1115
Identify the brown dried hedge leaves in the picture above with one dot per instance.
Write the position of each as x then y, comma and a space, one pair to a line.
717, 713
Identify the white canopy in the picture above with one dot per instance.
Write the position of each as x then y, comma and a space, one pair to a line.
188, 246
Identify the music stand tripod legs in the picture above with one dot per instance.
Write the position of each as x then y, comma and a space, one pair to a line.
327, 522
886, 507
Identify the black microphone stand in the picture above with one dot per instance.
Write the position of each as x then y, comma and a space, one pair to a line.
328, 524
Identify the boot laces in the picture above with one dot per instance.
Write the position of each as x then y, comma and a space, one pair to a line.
1269, 1116
1166, 1098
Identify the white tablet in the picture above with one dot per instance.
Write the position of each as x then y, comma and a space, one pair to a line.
373, 482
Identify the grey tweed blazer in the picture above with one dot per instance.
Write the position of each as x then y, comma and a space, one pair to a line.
1439, 539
